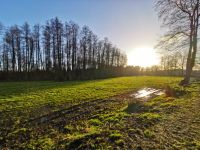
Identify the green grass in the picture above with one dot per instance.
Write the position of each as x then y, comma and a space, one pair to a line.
42, 143
95, 122
148, 133
150, 116
20, 95
103, 122
115, 136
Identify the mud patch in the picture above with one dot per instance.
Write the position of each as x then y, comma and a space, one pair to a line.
136, 107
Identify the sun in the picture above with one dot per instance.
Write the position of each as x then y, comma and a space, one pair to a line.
143, 56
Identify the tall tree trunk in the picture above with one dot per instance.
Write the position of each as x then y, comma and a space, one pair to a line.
193, 45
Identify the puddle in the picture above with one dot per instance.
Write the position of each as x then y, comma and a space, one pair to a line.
147, 93
141, 96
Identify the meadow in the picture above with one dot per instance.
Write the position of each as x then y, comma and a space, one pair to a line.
98, 114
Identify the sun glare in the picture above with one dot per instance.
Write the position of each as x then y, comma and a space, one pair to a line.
144, 57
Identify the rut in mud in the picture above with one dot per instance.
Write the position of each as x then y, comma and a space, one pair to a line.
77, 112
88, 109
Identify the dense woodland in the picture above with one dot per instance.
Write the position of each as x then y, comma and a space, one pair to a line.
55, 50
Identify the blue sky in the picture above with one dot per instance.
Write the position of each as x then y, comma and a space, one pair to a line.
129, 24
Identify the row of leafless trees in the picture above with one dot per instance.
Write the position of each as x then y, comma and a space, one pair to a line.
56, 46
173, 61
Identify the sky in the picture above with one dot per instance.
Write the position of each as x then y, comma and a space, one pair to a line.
131, 25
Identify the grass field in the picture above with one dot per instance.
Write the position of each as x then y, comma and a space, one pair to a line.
95, 115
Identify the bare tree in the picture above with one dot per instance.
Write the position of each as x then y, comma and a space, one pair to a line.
47, 45
57, 33
94, 50
75, 30
12, 39
36, 45
182, 19
26, 36
85, 41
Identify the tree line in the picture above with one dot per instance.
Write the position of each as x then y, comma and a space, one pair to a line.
56, 47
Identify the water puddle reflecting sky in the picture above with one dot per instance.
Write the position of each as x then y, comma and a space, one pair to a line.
147, 92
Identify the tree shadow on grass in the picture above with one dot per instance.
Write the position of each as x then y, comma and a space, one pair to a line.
10, 89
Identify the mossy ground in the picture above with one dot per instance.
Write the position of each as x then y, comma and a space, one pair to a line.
98, 115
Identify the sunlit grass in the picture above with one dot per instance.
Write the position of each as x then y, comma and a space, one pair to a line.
19, 95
